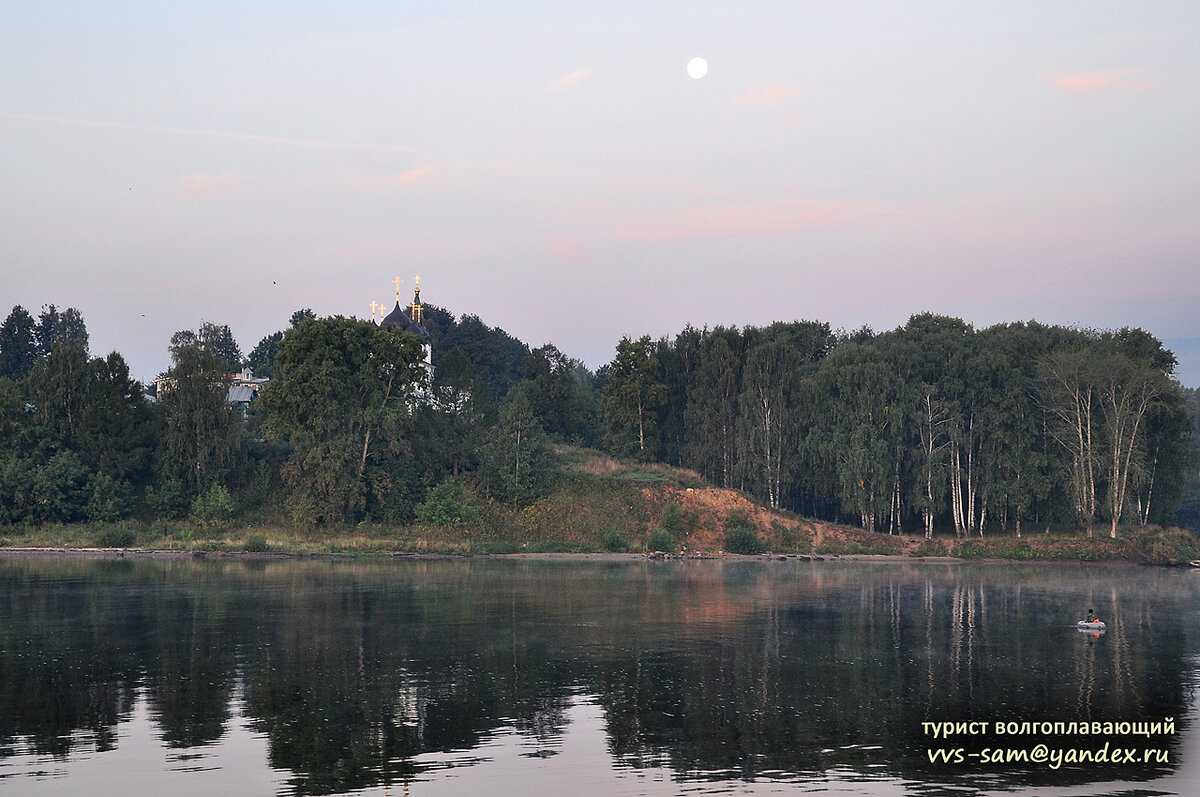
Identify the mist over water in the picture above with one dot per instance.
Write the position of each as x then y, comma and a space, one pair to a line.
516, 677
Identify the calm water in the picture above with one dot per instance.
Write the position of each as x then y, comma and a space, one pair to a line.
518, 677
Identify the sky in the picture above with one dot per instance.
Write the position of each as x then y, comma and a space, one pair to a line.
553, 169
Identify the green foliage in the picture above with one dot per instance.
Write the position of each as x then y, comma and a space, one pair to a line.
738, 519
116, 537
447, 504
459, 413
215, 340
832, 546
791, 538
55, 329
213, 506
257, 543
743, 540
614, 542
632, 399
168, 501
930, 548
671, 519
108, 500
60, 489
660, 540
562, 395
261, 359
200, 432
18, 344
18, 490
517, 463
343, 395
495, 355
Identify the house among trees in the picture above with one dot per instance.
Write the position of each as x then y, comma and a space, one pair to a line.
243, 390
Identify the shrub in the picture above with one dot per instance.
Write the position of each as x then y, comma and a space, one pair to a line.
837, 547
660, 540
213, 506
257, 543
796, 539
168, 501
445, 505
108, 499
743, 540
614, 542
116, 537
930, 548
671, 519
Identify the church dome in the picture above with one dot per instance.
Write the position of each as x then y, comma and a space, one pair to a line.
398, 318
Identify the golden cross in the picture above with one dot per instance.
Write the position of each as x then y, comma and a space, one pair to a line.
374, 305
415, 307
397, 282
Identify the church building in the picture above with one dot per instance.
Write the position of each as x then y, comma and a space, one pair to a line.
410, 322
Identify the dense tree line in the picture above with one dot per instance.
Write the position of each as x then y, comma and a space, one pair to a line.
934, 425
350, 427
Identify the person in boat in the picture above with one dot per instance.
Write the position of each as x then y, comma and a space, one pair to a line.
1092, 618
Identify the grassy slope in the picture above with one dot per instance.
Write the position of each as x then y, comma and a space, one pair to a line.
602, 504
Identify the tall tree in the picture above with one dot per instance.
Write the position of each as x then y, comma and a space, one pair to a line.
1134, 378
58, 390
1069, 395
517, 462
710, 417
559, 390
214, 339
632, 398
60, 329
342, 392
116, 436
461, 402
18, 344
200, 442
767, 426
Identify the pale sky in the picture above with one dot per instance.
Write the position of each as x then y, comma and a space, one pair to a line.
552, 168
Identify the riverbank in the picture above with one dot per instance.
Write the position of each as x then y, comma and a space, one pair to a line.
1150, 546
599, 507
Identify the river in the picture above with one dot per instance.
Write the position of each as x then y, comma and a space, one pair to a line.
635, 677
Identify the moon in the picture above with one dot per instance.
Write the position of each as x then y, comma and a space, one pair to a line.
697, 68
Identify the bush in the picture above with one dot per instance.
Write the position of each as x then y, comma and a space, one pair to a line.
168, 501
794, 539
445, 505
671, 519
61, 488
743, 540
930, 548
214, 506
660, 540
116, 537
257, 543
108, 499
614, 542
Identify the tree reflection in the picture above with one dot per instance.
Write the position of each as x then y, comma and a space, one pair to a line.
355, 672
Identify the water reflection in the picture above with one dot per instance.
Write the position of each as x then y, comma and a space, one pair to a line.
360, 676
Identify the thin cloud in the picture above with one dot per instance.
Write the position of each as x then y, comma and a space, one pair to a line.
569, 80
1112, 79
728, 221
194, 186
207, 133
393, 180
768, 95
